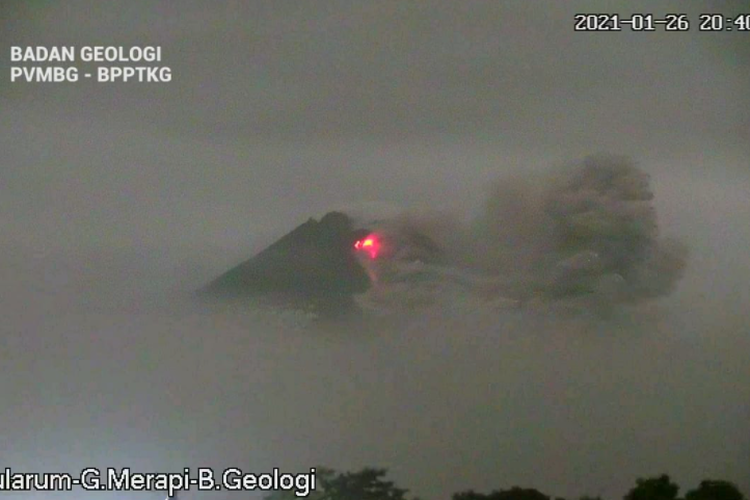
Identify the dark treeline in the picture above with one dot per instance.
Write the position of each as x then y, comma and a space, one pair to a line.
371, 484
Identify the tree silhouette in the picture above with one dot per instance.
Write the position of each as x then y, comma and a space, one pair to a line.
370, 484
655, 488
366, 484
515, 493
715, 490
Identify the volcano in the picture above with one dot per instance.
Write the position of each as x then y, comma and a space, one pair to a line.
313, 266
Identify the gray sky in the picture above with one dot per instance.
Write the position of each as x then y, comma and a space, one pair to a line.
112, 195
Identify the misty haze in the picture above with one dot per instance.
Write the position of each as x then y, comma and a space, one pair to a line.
564, 304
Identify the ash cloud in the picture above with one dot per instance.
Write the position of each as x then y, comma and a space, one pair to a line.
585, 236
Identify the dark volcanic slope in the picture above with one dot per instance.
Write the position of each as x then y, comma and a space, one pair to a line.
315, 260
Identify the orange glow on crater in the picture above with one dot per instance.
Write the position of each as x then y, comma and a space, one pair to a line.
370, 244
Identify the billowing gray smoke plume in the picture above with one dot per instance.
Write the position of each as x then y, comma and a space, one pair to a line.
583, 237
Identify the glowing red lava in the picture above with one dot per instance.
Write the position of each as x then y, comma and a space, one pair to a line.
370, 244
